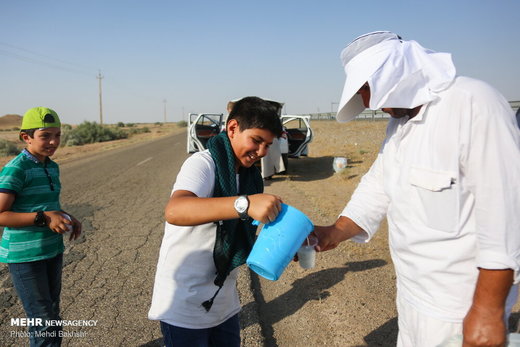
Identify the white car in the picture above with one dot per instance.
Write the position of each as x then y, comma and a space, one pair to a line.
298, 133
202, 127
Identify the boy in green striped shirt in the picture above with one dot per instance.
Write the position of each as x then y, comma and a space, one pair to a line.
30, 211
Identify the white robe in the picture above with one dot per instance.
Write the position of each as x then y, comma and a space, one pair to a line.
272, 163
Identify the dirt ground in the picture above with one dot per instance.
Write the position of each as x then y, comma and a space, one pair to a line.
348, 298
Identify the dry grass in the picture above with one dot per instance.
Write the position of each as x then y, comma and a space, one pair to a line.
66, 153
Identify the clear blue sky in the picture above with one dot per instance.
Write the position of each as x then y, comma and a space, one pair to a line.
199, 54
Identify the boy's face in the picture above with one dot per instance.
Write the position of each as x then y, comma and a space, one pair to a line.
44, 143
248, 145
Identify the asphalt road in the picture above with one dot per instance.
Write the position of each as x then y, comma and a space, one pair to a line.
108, 274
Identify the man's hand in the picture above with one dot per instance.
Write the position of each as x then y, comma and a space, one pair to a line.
330, 236
484, 324
484, 328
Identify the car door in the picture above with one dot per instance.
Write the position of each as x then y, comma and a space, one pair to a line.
202, 127
299, 134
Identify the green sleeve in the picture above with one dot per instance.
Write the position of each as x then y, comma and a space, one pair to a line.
11, 179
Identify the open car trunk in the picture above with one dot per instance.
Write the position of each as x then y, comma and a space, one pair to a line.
203, 126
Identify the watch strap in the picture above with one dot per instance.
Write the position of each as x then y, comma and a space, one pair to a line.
39, 219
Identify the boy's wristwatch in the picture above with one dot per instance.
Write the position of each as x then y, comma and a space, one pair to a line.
40, 220
241, 206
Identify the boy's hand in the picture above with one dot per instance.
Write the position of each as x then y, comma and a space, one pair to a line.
76, 228
264, 207
58, 223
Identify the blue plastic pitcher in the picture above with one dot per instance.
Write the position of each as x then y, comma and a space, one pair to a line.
278, 242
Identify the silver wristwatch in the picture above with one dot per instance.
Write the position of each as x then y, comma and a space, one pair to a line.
241, 206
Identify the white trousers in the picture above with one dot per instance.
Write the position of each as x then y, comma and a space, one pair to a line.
419, 330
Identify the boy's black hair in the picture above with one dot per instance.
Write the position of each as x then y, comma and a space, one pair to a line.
29, 132
254, 112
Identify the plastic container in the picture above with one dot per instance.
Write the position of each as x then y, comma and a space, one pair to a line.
278, 242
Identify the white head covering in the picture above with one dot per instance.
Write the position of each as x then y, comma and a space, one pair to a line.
401, 74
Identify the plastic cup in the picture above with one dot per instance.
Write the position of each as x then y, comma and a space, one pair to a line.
307, 253
278, 242
70, 226
339, 164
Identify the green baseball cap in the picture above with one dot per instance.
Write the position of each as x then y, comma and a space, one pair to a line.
40, 117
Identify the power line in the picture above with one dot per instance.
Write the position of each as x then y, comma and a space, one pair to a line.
63, 65
29, 56
54, 62
35, 61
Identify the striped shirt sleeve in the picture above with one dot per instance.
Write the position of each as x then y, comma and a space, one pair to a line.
11, 179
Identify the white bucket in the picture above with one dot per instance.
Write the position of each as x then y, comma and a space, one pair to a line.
339, 164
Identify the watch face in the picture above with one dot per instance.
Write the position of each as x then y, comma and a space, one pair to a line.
40, 220
241, 204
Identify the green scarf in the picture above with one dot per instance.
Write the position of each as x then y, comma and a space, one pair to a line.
235, 237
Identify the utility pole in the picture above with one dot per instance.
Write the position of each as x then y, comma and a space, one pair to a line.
164, 110
100, 77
